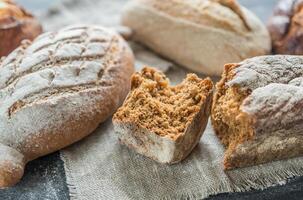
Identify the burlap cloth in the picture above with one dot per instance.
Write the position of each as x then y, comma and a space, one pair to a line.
100, 168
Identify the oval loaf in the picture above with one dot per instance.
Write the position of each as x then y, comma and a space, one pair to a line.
56, 91
201, 35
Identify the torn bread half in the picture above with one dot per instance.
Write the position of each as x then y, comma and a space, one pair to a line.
257, 110
164, 122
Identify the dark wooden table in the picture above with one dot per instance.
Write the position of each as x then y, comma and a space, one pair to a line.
45, 177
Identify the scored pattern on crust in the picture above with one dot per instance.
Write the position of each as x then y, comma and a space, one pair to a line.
221, 14
71, 60
276, 85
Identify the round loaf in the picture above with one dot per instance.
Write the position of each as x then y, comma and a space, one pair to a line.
286, 26
16, 24
201, 35
57, 90
257, 110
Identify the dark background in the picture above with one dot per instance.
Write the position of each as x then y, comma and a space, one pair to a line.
45, 177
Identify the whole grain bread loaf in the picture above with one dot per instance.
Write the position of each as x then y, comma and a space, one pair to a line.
201, 35
16, 24
286, 26
56, 90
257, 111
164, 122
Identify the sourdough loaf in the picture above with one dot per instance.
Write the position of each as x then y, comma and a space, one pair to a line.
201, 35
160, 121
16, 24
257, 110
286, 26
57, 90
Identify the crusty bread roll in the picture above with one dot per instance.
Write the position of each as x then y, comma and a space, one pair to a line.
286, 26
201, 35
163, 122
16, 24
56, 91
257, 110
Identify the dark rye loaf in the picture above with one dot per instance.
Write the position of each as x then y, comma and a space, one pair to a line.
286, 26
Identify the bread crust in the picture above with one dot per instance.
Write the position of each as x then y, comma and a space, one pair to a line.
269, 111
285, 27
16, 24
197, 36
163, 148
62, 95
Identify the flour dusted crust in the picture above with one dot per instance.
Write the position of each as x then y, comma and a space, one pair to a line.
262, 121
57, 90
16, 24
201, 35
164, 122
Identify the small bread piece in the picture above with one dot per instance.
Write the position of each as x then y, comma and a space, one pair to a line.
16, 24
57, 90
201, 35
163, 122
286, 26
257, 110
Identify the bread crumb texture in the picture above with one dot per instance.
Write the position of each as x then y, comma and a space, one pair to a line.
163, 109
231, 125
257, 99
